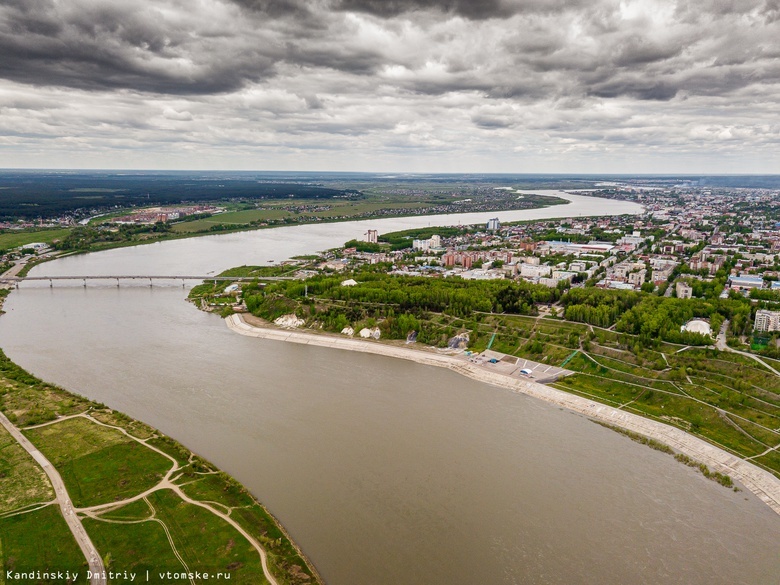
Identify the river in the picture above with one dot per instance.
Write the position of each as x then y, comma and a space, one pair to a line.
385, 471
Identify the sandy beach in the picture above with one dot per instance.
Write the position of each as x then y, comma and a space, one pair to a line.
762, 483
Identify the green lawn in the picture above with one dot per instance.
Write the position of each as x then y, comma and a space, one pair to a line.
137, 510
13, 239
114, 473
206, 542
98, 464
22, 481
70, 439
40, 541
136, 548
251, 516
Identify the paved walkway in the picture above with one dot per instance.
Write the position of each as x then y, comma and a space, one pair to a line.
74, 522
762, 483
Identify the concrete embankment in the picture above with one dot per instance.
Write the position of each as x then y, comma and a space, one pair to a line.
762, 483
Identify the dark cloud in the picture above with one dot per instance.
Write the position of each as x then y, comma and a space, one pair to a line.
129, 46
471, 9
395, 73
647, 89
491, 122
278, 8
474, 9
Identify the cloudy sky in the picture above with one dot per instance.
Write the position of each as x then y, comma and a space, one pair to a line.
392, 85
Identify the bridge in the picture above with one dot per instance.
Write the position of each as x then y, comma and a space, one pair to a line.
15, 280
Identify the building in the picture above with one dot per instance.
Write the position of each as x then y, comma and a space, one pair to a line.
534, 271
372, 236
684, 291
746, 282
699, 326
493, 225
424, 245
767, 320
637, 278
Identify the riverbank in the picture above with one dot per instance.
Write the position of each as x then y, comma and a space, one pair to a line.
28, 405
762, 483
541, 201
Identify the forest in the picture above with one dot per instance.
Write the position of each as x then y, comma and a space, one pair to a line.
397, 304
31, 195
654, 318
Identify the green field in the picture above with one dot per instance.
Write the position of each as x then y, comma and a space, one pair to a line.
10, 239
98, 465
70, 439
22, 481
135, 547
205, 541
251, 516
40, 541
338, 210
26, 400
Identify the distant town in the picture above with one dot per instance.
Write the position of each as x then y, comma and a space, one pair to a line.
689, 242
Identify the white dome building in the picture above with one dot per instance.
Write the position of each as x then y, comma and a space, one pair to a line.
700, 326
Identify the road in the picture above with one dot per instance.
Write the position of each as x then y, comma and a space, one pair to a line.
74, 522
720, 343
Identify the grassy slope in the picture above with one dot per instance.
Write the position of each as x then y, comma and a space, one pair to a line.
22, 481
13, 239
98, 464
40, 540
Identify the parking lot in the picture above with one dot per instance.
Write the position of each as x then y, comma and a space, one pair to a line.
522, 368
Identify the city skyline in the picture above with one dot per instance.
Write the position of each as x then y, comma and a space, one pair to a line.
409, 85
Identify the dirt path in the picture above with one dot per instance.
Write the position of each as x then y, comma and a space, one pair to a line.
167, 483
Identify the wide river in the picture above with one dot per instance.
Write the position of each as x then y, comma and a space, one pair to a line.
384, 471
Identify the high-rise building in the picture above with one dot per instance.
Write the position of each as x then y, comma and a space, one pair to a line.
767, 320
493, 225
372, 236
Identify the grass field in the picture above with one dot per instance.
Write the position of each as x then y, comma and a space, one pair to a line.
338, 209
136, 548
22, 481
40, 541
98, 465
252, 517
70, 439
205, 541
10, 239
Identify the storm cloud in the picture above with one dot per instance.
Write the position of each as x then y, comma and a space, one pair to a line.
504, 84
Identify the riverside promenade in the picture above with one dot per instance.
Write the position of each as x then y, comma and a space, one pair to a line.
762, 483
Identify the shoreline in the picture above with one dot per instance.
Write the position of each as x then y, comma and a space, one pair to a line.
172, 236
763, 484
558, 193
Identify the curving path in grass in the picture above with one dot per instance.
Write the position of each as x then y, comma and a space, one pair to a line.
168, 483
